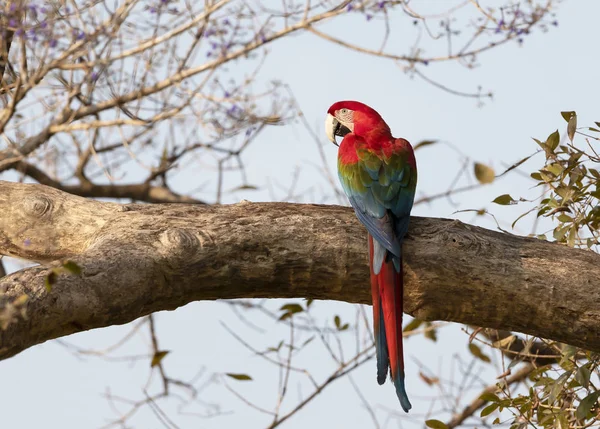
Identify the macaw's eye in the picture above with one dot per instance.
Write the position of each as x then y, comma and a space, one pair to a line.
344, 111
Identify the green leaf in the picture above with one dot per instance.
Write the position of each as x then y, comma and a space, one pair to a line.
412, 325
337, 321
559, 233
558, 386
564, 218
567, 115
435, 424
239, 377
290, 309
555, 168
245, 188
476, 351
424, 143
536, 176
158, 357
515, 165
72, 267
583, 376
430, 333
484, 174
489, 397
572, 127
488, 410
553, 140
585, 406
504, 200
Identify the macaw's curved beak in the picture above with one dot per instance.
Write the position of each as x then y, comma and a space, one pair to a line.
333, 128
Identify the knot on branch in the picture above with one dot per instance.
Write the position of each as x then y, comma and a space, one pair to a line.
463, 237
38, 205
178, 244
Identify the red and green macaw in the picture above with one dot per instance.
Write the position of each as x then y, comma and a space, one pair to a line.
379, 175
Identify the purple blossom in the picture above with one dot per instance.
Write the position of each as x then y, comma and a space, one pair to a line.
226, 94
210, 32
425, 62
500, 25
53, 43
94, 76
369, 17
152, 9
27, 242
349, 8
381, 4
226, 22
20, 32
12, 23
234, 109
44, 24
81, 35
555, 23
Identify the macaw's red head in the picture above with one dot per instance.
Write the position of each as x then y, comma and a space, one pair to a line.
346, 117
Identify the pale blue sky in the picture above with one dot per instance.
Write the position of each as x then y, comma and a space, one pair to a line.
46, 386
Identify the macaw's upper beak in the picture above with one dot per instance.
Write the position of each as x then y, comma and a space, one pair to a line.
333, 128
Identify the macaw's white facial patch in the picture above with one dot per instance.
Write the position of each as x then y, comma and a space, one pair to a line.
346, 117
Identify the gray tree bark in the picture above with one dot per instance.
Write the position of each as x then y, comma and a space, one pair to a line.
137, 259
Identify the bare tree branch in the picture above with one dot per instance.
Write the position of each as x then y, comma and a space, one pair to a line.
137, 259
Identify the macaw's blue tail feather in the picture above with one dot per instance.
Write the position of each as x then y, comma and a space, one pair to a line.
383, 360
401, 391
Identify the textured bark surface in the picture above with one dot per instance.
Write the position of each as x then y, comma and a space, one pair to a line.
137, 259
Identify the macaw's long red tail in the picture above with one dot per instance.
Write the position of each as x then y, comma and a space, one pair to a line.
387, 290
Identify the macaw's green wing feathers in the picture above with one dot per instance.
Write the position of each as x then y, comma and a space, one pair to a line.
381, 187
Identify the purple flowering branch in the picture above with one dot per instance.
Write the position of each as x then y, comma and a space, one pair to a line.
153, 66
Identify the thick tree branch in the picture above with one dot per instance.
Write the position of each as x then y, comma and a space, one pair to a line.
137, 259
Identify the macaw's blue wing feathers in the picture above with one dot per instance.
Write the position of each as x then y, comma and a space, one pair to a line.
380, 227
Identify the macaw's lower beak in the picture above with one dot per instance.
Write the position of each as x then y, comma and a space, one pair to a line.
333, 128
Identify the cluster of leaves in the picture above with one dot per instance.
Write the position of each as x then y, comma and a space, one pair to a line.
570, 183
564, 394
